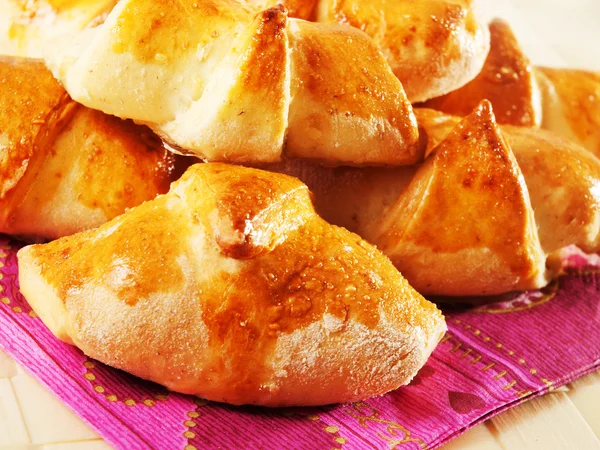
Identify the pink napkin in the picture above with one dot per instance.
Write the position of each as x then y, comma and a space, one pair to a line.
492, 358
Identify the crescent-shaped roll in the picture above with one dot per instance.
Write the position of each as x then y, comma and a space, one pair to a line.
473, 198
433, 46
507, 80
26, 26
571, 101
225, 82
65, 168
232, 288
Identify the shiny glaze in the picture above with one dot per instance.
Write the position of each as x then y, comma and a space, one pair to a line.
226, 81
66, 167
506, 80
166, 255
31, 115
433, 46
124, 165
161, 31
562, 186
340, 82
564, 183
469, 196
115, 262
561, 178
578, 94
422, 39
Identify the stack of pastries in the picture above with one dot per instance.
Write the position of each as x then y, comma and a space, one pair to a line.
329, 163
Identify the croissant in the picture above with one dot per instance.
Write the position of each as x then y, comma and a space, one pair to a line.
482, 215
507, 80
65, 168
219, 81
25, 26
251, 297
433, 46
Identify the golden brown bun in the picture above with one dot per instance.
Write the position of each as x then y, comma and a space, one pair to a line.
250, 298
507, 80
433, 46
571, 100
464, 225
224, 81
330, 99
65, 168
561, 178
460, 224
26, 26
563, 181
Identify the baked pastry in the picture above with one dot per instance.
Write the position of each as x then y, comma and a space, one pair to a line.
571, 101
473, 219
250, 297
507, 80
25, 26
433, 46
561, 177
220, 81
65, 168
564, 101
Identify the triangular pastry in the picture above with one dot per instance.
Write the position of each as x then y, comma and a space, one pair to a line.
561, 177
453, 235
507, 80
465, 226
65, 168
232, 288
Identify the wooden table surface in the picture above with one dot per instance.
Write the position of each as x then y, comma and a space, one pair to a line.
554, 33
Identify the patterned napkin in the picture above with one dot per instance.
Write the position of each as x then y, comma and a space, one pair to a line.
492, 358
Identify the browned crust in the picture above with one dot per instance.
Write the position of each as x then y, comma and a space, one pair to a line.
33, 108
433, 46
54, 145
572, 103
316, 316
466, 209
506, 80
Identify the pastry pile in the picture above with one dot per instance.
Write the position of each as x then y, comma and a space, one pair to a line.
329, 163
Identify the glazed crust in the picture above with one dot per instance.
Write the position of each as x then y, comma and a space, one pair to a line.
257, 79
251, 299
507, 80
561, 177
571, 101
332, 102
434, 220
433, 46
66, 168
464, 225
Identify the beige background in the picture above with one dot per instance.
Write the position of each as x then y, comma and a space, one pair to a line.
554, 33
